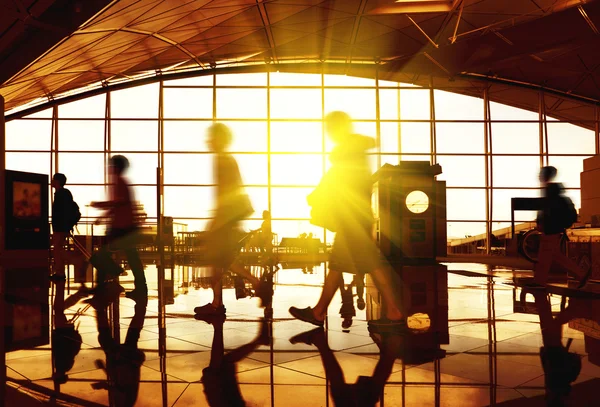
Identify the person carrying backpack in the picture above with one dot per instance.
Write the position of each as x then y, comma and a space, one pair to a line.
65, 215
557, 214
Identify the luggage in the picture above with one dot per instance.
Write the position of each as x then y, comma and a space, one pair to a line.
101, 260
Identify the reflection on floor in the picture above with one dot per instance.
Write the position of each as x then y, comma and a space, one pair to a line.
493, 355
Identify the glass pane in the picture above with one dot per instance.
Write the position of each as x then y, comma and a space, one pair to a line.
460, 138
453, 106
348, 81
191, 225
569, 170
191, 202
298, 169
253, 168
416, 138
516, 138
248, 136
383, 83
81, 168
191, 169
462, 230
296, 104
575, 196
462, 171
566, 138
415, 157
295, 228
89, 108
242, 79
185, 136
390, 137
185, 103
44, 114
390, 159
502, 204
295, 79
28, 162
139, 102
516, 171
358, 103
204, 80
242, 103
457, 209
388, 104
146, 196
84, 195
142, 168
414, 104
296, 137
499, 111
81, 135
290, 202
260, 200
32, 135
134, 136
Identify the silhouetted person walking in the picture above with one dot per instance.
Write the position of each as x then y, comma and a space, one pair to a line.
65, 215
123, 227
368, 389
556, 215
219, 379
232, 206
123, 361
342, 204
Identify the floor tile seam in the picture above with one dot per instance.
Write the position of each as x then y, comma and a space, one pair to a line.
301, 372
181, 394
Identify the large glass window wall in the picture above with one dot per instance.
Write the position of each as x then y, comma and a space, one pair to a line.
489, 152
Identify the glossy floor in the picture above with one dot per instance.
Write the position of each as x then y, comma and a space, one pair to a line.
492, 358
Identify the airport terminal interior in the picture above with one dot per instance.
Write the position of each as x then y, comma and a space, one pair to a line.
236, 137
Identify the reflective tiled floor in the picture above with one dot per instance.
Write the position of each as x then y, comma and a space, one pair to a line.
492, 358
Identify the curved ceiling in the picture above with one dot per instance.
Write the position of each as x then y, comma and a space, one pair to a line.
512, 46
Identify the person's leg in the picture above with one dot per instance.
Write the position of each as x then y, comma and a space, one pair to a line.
58, 251
546, 254
137, 268
332, 283
333, 370
217, 287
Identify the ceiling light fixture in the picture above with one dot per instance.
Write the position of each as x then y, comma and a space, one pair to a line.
416, 6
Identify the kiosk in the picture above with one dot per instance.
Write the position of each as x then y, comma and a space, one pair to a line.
410, 210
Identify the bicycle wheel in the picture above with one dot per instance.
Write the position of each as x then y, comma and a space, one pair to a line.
530, 245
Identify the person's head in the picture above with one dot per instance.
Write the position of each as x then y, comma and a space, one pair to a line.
547, 174
338, 126
59, 180
118, 164
219, 137
266, 215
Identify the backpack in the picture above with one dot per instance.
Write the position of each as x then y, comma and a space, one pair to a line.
74, 215
568, 213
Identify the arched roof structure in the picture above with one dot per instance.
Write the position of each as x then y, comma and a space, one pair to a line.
50, 49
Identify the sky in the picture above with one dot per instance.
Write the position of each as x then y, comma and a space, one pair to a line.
297, 158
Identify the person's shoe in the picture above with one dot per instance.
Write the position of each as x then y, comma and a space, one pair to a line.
209, 310
214, 319
385, 325
308, 337
105, 295
306, 315
57, 278
138, 295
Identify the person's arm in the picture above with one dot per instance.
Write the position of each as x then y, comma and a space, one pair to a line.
119, 195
